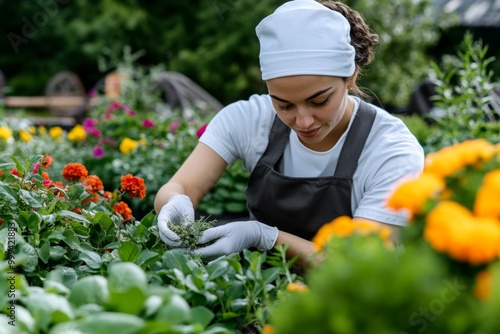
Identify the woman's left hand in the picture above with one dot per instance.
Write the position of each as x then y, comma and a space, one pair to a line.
237, 236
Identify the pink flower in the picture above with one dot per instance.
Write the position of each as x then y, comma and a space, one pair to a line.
148, 123
97, 152
113, 106
47, 183
95, 132
89, 123
172, 128
128, 110
36, 167
201, 130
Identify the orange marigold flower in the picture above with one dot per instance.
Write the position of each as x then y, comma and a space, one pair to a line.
451, 159
486, 202
345, 226
45, 176
268, 329
46, 161
58, 186
77, 210
453, 229
297, 287
93, 184
73, 172
123, 209
134, 186
482, 288
108, 195
1, 172
413, 194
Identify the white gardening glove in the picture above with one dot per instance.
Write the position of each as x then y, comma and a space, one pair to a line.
178, 210
235, 237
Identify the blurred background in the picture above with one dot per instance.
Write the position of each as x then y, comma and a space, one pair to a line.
214, 44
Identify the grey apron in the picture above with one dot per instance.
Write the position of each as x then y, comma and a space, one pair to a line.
301, 205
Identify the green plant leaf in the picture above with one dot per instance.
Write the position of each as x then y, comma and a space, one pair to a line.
8, 194
201, 315
148, 220
61, 215
104, 221
92, 259
48, 308
27, 257
44, 252
175, 311
147, 257
102, 323
217, 268
56, 252
89, 290
176, 259
128, 251
127, 285
29, 198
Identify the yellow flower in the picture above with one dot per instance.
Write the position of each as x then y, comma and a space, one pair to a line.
55, 132
24, 135
297, 287
77, 133
413, 194
32, 129
143, 141
127, 145
43, 130
5, 132
451, 159
453, 229
345, 226
486, 203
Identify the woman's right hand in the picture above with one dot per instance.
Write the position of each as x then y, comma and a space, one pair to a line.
178, 210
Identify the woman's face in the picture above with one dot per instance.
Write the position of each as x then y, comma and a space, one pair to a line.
316, 107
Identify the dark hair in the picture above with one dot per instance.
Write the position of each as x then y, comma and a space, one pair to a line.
362, 38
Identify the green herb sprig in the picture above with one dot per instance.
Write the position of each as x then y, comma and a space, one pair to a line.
191, 231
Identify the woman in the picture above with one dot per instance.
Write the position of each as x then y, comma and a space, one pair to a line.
315, 152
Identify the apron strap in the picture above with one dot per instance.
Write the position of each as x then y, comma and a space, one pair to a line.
278, 139
355, 141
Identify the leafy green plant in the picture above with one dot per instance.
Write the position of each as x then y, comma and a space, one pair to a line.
406, 30
462, 94
79, 261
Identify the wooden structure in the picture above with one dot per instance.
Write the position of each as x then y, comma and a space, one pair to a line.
65, 98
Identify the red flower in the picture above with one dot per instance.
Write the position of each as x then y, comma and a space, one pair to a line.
134, 186
122, 209
46, 161
93, 184
73, 172
108, 195
15, 172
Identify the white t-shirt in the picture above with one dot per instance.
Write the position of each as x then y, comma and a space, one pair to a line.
391, 153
